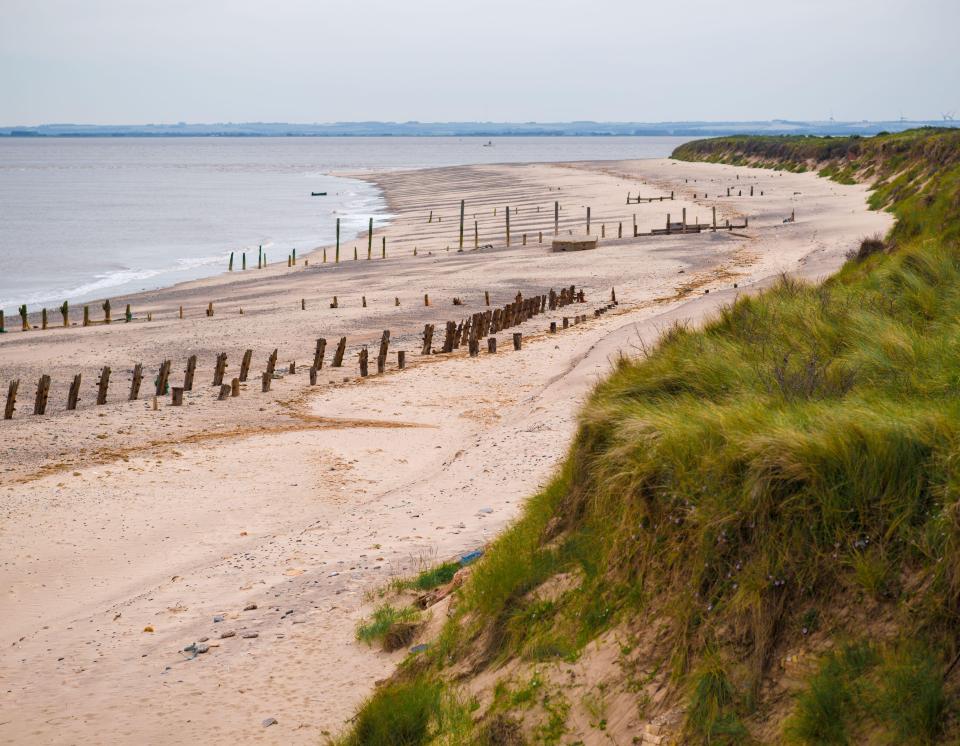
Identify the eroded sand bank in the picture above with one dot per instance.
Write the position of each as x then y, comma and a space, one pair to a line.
119, 517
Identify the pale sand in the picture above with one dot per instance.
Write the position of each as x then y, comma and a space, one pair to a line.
119, 517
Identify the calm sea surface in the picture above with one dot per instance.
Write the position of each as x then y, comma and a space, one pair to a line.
89, 218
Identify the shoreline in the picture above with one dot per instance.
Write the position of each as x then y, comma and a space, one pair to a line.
304, 499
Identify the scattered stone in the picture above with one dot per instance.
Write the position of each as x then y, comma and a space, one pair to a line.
228, 633
249, 607
485, 510
250, 635
267, 722
202, 648
203, 639
218, 618
148, 628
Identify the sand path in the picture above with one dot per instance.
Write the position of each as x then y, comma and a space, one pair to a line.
120, 517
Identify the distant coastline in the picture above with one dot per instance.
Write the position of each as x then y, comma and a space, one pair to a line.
471, 129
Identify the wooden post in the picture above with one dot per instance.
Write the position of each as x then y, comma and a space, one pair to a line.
383, 250
338, 353
11, 399
230, 263
684, 223
401, 359
162, 377
103, 384
714, 210
337, 255
486, 297
476, 236
382, 354
461, 222
517, 340
313, 376
3, 329
426, 299
448, 339
73, 395
86, 316
553, 327
491, 345
588, 221
218, 371
430, 219
363, 301
245, 365
210, 309
556, 218
303, 304
224, 392
319, 353
106, 311
508, 225
566, 322
668, 223
235, 387
176, 396
427, 338
363, 363
43, 391
293, 367
243, 258
265, 380
335, 304
135, 380
370, 239
189, 373
613, 296
24, 323
127, 315
43, 318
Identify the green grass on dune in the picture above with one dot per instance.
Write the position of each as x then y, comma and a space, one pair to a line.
796, 458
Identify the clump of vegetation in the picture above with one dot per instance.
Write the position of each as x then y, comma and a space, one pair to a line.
393, 627
435, 576
868, 247
743, 480
861, 689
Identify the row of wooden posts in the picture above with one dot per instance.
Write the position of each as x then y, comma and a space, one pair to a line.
65, 314
470, 330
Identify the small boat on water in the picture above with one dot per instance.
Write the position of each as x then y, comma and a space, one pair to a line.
318, 194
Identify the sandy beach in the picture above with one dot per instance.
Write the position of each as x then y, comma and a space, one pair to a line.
119, 518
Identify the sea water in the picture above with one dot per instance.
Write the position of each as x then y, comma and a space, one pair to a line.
86, 218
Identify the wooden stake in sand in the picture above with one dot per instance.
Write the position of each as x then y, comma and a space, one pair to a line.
86, 316
265, 379
163, 376
11, 399
106, 311
230, 263
491, 345
189, 373
103, 384
370, 239
135, 380
363, 363
338, 353
313, 376
218, 371
319, 353
235, 387
476, 236
24, 322
43, 391
427, 339
556, 218
588, 221
462, 204
337, 255
73, 396
382, 354
224, 392
43, 318
426, 299
245, 365
3, 329
176, 396
508, 225
448, 340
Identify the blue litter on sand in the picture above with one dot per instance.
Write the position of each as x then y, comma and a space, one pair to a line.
418, 648
469, 557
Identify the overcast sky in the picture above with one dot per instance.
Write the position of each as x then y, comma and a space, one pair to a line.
129, 61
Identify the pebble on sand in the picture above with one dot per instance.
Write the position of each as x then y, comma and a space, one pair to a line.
267, 722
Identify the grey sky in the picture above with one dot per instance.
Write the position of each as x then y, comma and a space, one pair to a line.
129, 61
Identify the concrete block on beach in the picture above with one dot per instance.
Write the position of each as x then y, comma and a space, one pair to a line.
574, 244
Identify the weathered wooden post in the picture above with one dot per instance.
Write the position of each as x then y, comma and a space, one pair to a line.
430, 219
43, 318
476, 236
135, 380
668, 223
491, 345
219, 369
127, 315
11, 399
401, 359
382, 354
319, 353
245, 365
210, 309
684, 220
235, 387
553, 327
106, 311
370, 239
73, 395
448, 339
517, 340
556, 218
265, 379
224, 392
508, 225
714, 210
426, 299
313, 376
163, 376
303, 304
461, 222
176, 396
363, 301
427, 338
86, 316
337, 255
566, 322
335, 304
43, 391
355, 257
613, 296
588, 221
230, 263
383, 250
189, 373
243, 259
24, 323
338, 353
293, 367
103, 384
3, 329
363, 363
